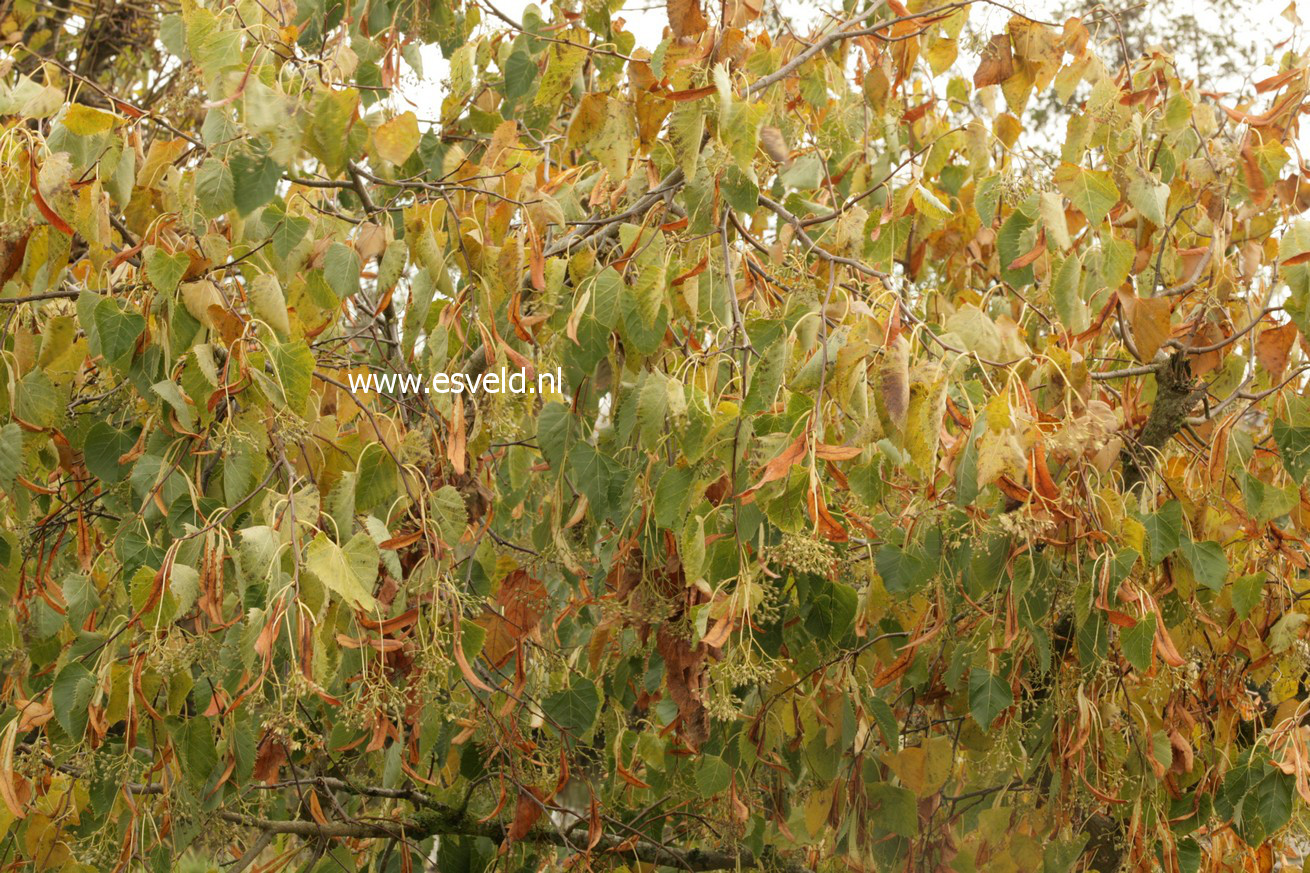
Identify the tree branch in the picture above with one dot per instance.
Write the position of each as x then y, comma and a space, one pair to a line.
438, 819
1176, 393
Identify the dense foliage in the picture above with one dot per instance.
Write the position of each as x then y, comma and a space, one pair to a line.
925, 490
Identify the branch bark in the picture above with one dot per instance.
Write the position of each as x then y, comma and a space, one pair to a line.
1176, 393
439, 819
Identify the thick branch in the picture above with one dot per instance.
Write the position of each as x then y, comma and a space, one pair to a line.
1176, 393
443, 820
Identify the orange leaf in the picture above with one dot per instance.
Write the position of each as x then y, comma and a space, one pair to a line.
401, 540
463, 664
458, 438
42, 206
818, 510
778, 467
836, 453
1149, 318
526, 813
32, 713
1273, 83
1164, 644
690, 94
9, 792
686, 18
1013, 489
1273, 346
1031, 255
628, 777
1041, 474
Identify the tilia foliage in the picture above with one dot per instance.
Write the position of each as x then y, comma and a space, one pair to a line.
924, 490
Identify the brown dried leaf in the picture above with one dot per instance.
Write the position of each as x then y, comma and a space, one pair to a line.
684, 672
997, 62
894, 385
774, 144
521, 599
686, 18
526, 813
1273, 346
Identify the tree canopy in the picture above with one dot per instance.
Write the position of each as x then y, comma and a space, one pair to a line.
924, 491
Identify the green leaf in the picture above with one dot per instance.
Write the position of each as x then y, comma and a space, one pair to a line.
739, 190
1066, 289
1012, 242
590, 472
766, 377
11, 455
215, 188
1116, 261
989, 696
1147, 195
574, 709
238, 472
287, 234
328, 137
449, 513
896, 809
38, 400
1164, 530
345, 571
1293, 449
553, 426
116, 330
713, 775
1092, 191
198, 751
293, 365
692, 548
652, 408
1061, 855
671, 493
1138, 642
1274, 798
254, 180
1207, 561
831, 614
378, 478
172, 395
520, 75
1266, 502
341, 269
903, 571
686, 129
1247, 593
986, 199
71, 695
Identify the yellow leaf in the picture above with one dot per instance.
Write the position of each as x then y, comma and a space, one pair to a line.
941, 54
923, 769
85, 121
923, 422
395, 140
816, 811
197, 297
